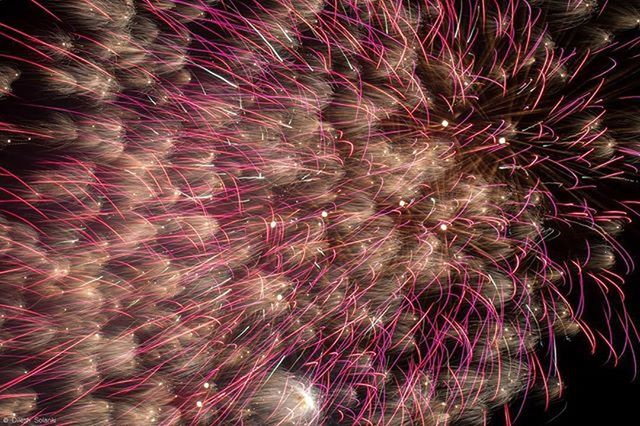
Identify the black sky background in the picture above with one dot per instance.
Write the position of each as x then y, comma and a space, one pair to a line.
597, 393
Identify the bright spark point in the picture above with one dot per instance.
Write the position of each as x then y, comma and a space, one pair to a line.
309, 402
445, 123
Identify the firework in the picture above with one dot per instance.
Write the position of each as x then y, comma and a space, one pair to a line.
316, 212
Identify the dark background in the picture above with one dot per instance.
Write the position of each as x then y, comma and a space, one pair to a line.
597, 393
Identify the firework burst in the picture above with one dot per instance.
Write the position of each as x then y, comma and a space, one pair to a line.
315, 212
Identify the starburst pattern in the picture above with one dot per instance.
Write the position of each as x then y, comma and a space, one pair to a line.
313, 212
